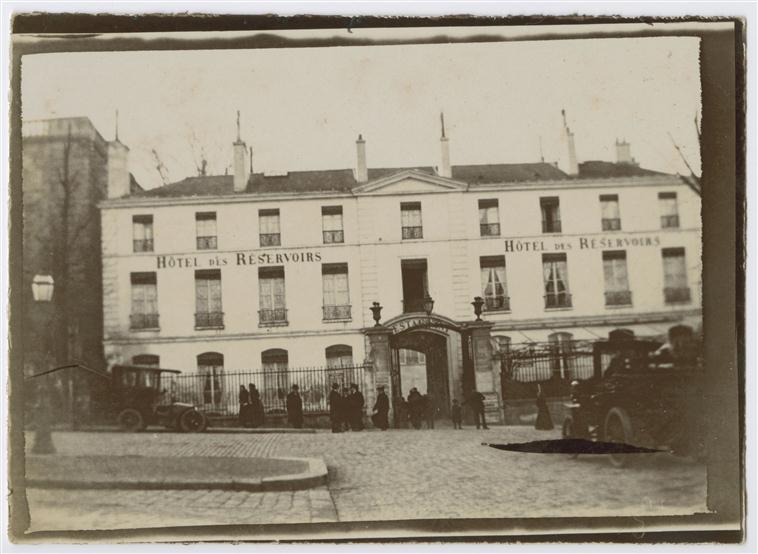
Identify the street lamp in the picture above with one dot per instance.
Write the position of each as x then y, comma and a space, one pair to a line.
477, 304
42, 291
376, 310
428, 304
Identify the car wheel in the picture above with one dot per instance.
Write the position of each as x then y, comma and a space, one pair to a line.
192, 421
618, 428
569, 432
131, 420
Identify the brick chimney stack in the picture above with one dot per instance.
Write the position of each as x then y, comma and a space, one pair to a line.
361, 170
624, 153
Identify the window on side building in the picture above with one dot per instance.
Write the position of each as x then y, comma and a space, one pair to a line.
208, 310
551, 214
205, 223
494, 289
144, 301
336, 292
489, 218
555, 277
270, 233
616, 277
669, 210
273, 308
210, 368
675, 286
609, 212
146, 360
331, 220
276, 379
410, 216
562, 355
142, 233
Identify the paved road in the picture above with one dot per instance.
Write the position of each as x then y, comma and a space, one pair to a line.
378, 476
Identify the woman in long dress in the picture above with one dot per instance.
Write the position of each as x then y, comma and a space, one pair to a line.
544, 422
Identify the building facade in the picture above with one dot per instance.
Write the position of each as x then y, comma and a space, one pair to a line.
268, 271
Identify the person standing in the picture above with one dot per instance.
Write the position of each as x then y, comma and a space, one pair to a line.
457, 415
335, 408
544, 421
256, 407
429, 411
244, 401
475, 402
356, 403
415, 407
381, 410
295, 408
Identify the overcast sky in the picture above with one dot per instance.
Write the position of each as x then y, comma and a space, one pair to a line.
303, 108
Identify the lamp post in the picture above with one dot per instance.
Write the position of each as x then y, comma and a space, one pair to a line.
42, 291
428, 304
477, 304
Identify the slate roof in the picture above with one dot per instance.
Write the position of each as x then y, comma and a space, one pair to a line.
343, 180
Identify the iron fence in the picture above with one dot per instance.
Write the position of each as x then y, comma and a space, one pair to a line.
217, 392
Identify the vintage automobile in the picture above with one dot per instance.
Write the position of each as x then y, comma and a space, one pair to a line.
643, 393
138, 401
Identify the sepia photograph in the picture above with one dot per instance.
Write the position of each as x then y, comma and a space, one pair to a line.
443, 280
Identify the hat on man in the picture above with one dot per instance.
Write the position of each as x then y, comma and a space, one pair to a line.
295, 387
335, 386
380, 387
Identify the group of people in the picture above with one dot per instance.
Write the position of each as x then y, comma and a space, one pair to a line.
418, 408
346, 408
251, 407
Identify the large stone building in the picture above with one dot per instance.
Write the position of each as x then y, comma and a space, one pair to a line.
260, 270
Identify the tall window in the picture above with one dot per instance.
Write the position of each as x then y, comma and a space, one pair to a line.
555, 276
146, 360
270, 234
561, 348
609, 212
675, 286
336, 293
142, 233
210, 367
494, 288
275, 377
489, 218
208, 310
410, 217
144, 301
205, 222
551, 214
273, 308
669, 210
617, 291
331, 219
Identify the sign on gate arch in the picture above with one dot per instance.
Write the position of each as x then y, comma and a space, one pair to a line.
415, 322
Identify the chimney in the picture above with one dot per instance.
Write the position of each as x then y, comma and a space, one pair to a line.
444, 169
361, 171
624, 153
572, 168
118, 170
240, 161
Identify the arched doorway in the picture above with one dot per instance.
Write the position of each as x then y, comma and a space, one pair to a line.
420, 360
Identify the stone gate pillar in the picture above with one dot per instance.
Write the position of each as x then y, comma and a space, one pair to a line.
481, 354
378, 352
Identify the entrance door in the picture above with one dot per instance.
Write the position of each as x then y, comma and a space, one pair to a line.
420, 359
415, 285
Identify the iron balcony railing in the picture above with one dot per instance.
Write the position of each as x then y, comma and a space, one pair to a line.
333, 237
552, 226
611, 224
499, 302
337, 312
618, 298
143, 321
209, 320
273, 316
675, 295
143, 245
271, 239
669, 221
207, 243
558, 300
489, 229
413, 232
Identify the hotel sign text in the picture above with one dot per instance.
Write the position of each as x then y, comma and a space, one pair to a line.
563, 244
250, 258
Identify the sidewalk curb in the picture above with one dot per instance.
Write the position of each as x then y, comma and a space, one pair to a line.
316, 475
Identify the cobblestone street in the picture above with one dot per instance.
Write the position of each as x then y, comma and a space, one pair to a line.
376, 476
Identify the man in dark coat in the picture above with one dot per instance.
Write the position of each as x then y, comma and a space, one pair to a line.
295, 408
415, 408
475, 401
429, 411
356, 403
381, 410
335, 408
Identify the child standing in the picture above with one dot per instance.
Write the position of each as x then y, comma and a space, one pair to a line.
457, 415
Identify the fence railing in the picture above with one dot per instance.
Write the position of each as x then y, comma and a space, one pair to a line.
217, 393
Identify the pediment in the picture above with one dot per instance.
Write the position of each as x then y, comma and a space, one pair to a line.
410, 182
